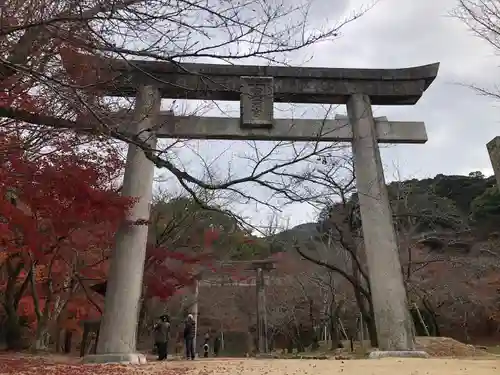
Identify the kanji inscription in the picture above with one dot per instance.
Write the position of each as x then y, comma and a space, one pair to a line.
257, 102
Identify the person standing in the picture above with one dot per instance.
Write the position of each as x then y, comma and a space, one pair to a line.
217, 345
189, 332
161, 335
206, 345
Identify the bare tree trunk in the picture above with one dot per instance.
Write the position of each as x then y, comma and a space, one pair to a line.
42, 336
12, 297
58, 335
315, 339
13, 330
362, 302
68, 340
42, 331
368, 317
432, 317
334, 327
372, 328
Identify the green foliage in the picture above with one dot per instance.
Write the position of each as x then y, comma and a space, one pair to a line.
462, 190
250, 248
186, 213
487, 205
442, 202
439, 203
416, 205
477, 175
180, 223
455, 199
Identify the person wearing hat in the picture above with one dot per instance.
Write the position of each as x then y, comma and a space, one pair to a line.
161, 335
189, 332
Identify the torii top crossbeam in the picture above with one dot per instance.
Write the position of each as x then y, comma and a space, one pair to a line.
291, 84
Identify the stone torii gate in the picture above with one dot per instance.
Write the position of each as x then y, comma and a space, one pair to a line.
259, 266
257, 87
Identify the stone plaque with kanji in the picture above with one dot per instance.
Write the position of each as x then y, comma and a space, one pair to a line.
256, 101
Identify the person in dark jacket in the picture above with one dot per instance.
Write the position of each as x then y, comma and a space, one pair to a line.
217, 345
161, 335
189, 332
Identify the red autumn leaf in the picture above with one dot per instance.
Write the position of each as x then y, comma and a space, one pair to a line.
16, 363
59, 216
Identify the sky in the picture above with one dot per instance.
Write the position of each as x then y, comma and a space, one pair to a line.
398, 34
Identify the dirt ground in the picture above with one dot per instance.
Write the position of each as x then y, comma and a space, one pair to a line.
388, 366
18, 364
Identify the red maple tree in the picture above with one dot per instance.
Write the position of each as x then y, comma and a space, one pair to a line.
58, 214
58, 209
168, 271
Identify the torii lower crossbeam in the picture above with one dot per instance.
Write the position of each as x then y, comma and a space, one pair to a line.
226, 128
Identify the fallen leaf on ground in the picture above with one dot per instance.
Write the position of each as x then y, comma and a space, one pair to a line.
27, 365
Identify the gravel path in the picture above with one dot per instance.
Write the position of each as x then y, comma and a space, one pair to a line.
389, 366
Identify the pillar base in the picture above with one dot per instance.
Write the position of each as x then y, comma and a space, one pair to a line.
121, 358
377, 354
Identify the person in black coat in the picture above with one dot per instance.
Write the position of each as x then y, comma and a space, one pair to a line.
217, 345
189, 332
161, 333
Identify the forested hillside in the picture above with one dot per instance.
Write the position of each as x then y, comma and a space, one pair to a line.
447, 228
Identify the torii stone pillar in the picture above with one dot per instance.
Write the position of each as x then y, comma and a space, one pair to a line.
392, 318
117, 336
260, 281
493, 147
260, 267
